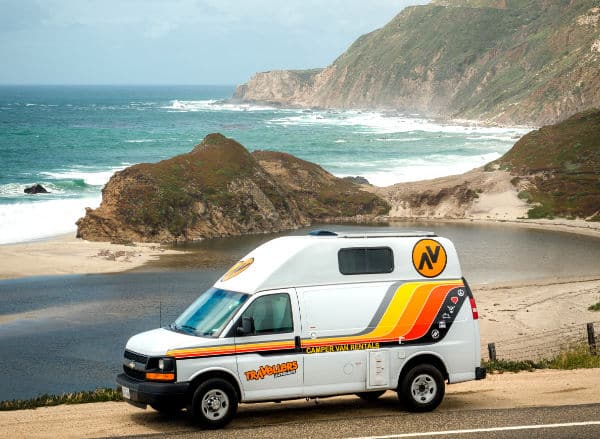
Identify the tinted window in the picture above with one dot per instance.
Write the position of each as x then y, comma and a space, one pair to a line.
366, 260
271, 314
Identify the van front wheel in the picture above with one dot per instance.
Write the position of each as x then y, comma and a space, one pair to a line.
214, 403
422, 388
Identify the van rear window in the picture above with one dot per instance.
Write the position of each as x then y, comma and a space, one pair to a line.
369, 260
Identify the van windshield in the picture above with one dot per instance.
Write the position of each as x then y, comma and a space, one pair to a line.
209, 313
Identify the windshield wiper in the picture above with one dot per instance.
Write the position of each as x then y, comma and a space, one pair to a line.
188, 328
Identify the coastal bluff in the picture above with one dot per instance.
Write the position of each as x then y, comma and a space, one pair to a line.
531, 62
220, 189
550, 173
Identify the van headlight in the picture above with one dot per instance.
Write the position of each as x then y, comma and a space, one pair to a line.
160, 369
166, 364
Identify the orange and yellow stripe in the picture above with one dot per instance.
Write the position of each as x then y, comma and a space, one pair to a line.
231, 349
408, 316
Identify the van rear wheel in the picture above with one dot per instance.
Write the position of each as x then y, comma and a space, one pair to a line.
214, 403
370, 396
422, 388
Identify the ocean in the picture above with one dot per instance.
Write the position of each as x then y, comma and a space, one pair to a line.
71, 139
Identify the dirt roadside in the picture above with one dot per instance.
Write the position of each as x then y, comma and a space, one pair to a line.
114, 419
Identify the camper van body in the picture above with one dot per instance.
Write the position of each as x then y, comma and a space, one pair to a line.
313, 316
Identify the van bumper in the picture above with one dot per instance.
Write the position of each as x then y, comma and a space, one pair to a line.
480, 373
142, 393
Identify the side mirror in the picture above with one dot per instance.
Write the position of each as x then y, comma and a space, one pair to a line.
247, 326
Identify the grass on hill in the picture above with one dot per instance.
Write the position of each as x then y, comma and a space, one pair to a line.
576, 358
562, 163
98, 395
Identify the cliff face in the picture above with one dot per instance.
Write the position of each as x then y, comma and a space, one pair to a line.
217, 189
517, 62
279, 86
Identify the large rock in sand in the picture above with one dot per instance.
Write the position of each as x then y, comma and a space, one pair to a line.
217, 189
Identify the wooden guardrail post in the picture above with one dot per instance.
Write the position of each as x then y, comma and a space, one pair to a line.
492, 351
591, 339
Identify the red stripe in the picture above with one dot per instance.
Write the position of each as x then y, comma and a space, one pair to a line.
232, 349
430, 310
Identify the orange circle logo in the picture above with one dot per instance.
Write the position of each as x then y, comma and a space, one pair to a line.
429, 257
237, 269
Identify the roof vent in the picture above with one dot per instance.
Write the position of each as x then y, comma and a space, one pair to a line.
319, 232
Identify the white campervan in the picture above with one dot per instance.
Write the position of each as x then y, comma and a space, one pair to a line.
310, 316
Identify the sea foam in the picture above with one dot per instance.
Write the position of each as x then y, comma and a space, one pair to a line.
88, 176
391, 172
390, 123
214, 105
41, 219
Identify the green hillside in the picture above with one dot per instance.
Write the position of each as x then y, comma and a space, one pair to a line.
510, 61
558, 168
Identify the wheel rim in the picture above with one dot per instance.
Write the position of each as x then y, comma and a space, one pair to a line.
423, 389
215, 404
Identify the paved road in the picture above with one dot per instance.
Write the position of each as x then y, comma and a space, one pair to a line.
353, 418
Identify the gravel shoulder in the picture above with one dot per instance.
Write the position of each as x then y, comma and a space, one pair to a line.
541, 388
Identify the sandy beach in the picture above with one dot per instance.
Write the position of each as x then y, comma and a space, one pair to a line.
66, 254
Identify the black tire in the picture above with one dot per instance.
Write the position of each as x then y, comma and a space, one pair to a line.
167, 408
422, 388
370, 396
214, 403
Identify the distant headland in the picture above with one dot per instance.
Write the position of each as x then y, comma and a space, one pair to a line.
506, 62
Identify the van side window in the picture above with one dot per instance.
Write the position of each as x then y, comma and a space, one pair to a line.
369, 260
272, 314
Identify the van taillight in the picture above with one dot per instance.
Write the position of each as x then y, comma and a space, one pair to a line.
474, 309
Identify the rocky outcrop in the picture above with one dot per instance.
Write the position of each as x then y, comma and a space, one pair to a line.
322, 196
357, 179
516, 62
279, 86
217, 189
36, 189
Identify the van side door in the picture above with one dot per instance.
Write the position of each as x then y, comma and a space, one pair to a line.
337, 323
269, 361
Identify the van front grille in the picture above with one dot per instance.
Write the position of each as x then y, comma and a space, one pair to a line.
134, 365
138, 358
135, 374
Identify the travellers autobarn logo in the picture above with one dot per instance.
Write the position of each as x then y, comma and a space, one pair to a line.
275, 370
429, 257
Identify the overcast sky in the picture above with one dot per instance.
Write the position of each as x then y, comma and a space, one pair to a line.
177, 41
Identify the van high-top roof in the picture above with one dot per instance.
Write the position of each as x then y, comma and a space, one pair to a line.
314, 259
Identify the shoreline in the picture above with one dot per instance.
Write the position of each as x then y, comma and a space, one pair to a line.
576, 227
67, 255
